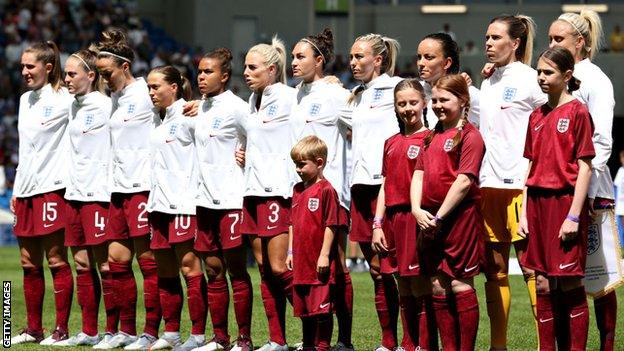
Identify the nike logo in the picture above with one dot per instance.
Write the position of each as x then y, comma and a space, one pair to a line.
213, 135
546, 320
374, 106
538, 127
471, 268
564, 266
269, 227
181, 233
97, 235
85, 131
169, 141
505, 107
234, 237
267, 121
324, 305
46, 123
410, 267
47, 225
141, 226
58, 291
127, 119
576, 315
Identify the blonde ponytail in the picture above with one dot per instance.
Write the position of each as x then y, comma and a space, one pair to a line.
588, 25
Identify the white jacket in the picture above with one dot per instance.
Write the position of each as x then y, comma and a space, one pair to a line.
43, 143
90, 148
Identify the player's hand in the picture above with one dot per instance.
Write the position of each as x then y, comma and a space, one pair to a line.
322, 267
191, 108
289, 262
425, 219
487, 70
569, 230
12, 203
239, 154
331, 79
466, 78
379, 240
523, 227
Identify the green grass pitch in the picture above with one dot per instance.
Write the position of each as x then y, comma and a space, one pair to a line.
366, 332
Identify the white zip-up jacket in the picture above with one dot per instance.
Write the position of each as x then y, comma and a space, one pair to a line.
43, 143
596, 92
174, 163
269, 171
316, 112
373, 120
90, 148
219, 133
131, 122
506, 101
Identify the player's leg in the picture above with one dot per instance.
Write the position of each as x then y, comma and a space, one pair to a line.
497, 292
219, 297
574, 305
196, 289
410, 314
467, 306
242, 294
62, 278
31, 259
445, 312
344, 294
427, 327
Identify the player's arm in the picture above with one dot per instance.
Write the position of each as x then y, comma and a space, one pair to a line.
523, 224
289, 256
601, 106
569, 228
455, 195
379, 239
322, 264
424, 218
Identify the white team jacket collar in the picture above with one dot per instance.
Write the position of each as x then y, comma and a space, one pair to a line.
218, 98
500, 70
82, 98
267, 93
43, 90
174, 109
138, 83
384, 81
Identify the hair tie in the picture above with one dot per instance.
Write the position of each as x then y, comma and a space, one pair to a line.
83, 61
573, 26
316, 47
115, 55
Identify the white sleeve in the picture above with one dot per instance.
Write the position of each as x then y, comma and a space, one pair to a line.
474, 113
600, 105
345, 112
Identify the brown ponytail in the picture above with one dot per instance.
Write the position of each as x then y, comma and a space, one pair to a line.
48, 52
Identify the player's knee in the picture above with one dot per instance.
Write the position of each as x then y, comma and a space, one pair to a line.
82, 263
375, 272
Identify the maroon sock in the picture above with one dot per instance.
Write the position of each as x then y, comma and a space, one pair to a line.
446, 321
606, 317
153, 312
344, 307
242, 294
196, 292
170, 292
34, 288
324, 330
409, 320
387, 306
578, 314
219, 297
63, 282
545, 322
428, 328
88, 293
125, 295
286, 281
308, 325
272, 308
468, 315
110, 304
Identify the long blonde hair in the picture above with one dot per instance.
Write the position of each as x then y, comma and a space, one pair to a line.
273, 54
588, 25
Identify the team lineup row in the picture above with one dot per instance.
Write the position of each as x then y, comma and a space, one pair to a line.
435, 179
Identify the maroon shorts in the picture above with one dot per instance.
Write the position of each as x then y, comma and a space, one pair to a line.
312, 300
400, 230
363, 206
170, 229
265, 216
457, 249
546, 253
127, 216
86, 223
218, 229
39, 214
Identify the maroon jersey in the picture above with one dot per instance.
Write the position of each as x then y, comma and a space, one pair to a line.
313, 209
442, 163
399, 161
555, 140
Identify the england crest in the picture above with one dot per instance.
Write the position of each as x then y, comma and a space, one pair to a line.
378, 94
448, 145
315, 109
47, 111
313, 204
131, 108
89, 120
563, 124
593, 239
272, 111
509, 94
173, 129
413, 151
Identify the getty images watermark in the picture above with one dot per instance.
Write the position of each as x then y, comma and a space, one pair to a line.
6, 314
